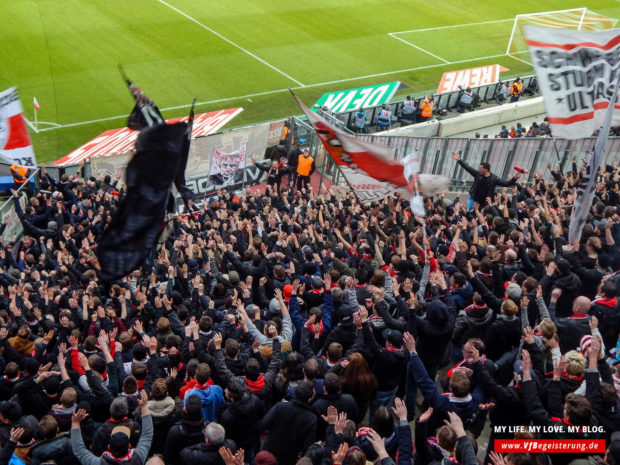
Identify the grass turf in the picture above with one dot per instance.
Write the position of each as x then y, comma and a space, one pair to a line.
66, 53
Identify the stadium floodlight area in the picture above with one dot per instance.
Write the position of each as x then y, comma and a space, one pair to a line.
580, 19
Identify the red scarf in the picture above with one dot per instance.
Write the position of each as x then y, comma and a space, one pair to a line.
191, 384
311, 327
464, 362
610, 302
256, 386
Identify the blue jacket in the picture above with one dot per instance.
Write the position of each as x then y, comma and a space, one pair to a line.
466, 407
463, 296
212, 400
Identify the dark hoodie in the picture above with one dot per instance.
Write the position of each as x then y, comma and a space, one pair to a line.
470, 323
241, 420
435, 330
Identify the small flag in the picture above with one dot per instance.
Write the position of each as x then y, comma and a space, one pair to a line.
35, 103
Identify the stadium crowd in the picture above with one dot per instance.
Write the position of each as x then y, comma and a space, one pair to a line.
306, 329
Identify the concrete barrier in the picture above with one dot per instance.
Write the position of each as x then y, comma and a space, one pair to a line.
472, 121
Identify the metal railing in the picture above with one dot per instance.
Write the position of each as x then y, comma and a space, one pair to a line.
443, 102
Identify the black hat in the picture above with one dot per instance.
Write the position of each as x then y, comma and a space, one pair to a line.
11, 410
563, 265
119, 441
346, 316
193, 408
393, 336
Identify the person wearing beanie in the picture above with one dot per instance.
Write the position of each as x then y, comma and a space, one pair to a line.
119, 450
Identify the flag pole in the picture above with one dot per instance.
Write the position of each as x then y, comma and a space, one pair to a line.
585, 194
36, 123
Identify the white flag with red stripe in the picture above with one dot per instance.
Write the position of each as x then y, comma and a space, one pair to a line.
577, 72
14, 138
35, 103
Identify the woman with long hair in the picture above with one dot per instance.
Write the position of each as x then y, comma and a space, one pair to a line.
360, 382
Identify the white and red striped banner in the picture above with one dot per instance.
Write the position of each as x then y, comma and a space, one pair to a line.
117, 141
577, 72
14, 138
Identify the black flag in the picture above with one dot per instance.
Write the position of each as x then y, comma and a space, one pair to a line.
145, 113
137, 224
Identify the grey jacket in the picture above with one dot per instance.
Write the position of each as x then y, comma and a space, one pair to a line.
139, 453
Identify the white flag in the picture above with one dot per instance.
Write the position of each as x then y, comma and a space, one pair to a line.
577, 73
14, 138
411, 169
35, 103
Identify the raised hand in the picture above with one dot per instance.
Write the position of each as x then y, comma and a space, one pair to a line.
332, 415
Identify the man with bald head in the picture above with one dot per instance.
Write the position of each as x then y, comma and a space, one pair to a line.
574, 327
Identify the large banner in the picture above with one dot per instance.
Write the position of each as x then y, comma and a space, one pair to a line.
218, 161
353, 99
9, 216
577, 72
472, 77
15, 143
227, 168
118, 141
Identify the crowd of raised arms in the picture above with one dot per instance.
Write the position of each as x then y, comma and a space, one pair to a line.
299, 327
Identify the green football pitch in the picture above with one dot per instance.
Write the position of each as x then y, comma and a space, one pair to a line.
237, 53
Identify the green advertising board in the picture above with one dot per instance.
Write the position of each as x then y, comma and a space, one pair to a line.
362, 97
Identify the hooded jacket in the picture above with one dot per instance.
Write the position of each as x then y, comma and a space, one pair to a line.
470, 323
607, 311
212, 400
241, 420
462, 296
186, 432
435, 331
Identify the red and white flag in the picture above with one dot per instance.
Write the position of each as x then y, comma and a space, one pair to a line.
577, 72
369, 169
35, 103
14, 138
578, 75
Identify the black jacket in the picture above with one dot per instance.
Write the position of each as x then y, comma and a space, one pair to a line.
241, 420
608, 313
484, 187
203, 453
292, 429
435, 331
389, 365
470, 323
503, 335
184, 434
570, 330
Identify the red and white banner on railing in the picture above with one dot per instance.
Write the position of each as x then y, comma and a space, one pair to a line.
117, 141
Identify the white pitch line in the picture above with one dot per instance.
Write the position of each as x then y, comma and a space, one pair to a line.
30, 125
419, 48
279, 91
404, 70
454, 25
519, 59
231, 42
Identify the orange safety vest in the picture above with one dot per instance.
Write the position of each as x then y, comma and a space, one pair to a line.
20, 174
304, 165
427, 108
517, 88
